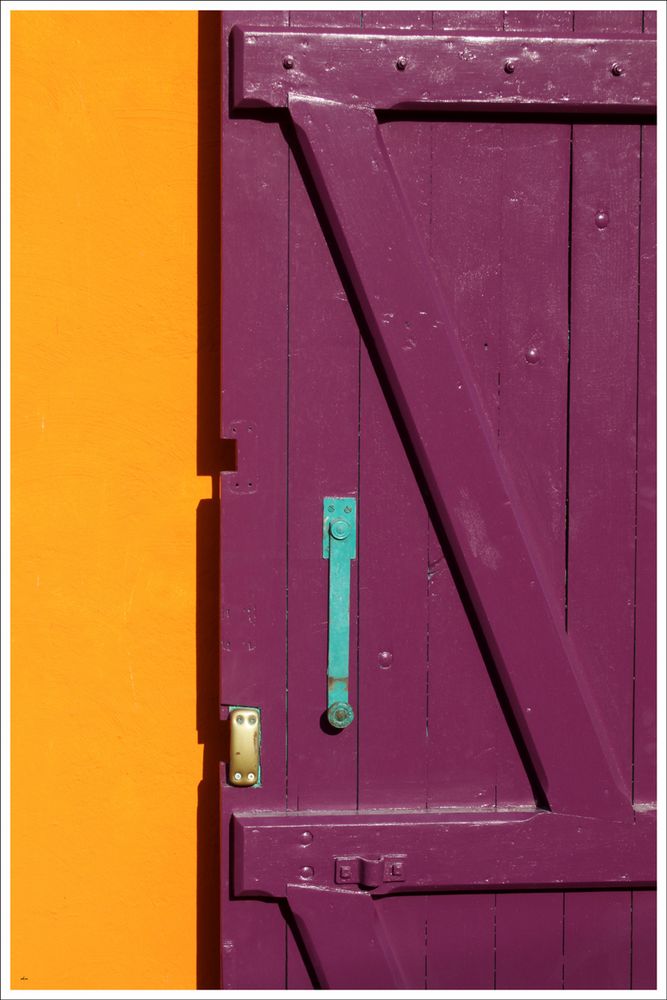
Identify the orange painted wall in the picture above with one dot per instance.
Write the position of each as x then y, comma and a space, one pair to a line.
105, 755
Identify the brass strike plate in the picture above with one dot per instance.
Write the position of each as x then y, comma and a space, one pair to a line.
244, 741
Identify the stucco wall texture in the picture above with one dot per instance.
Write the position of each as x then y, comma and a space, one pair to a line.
105, 756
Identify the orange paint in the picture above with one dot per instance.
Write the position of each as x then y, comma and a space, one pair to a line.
105, 756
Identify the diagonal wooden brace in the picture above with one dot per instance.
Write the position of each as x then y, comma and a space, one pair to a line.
345, 938
470, 487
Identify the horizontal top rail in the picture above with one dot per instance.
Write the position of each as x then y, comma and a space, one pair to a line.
473, 72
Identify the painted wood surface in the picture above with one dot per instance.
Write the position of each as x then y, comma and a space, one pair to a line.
540, 233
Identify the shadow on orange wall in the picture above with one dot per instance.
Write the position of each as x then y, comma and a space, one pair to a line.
213, 455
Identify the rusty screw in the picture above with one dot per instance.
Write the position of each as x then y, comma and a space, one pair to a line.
617, 69
401, 62
288, 62
509, 66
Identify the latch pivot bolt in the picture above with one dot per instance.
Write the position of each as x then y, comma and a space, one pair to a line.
340, 714
339, 528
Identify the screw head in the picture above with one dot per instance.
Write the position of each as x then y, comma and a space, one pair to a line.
306, 837
340, 714
306, 872
532, 355
252, 719
602, 219
339, 528
401, 62
288, 62
237, 776
385, 659
616, 69
509, 66
251, 776
240, 719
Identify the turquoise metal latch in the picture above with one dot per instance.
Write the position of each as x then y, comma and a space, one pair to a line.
339, 547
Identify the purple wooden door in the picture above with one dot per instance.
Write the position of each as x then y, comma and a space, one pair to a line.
439, 303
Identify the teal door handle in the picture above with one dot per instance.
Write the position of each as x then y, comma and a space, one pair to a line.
339, 546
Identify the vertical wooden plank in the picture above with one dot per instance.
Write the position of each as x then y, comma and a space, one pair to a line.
644, 940
650, 22
393, 539
414, 22
468, 737
465, 720
392, 620
323, 454
602, 456
461, 941
325, 19
529, 941
323, 460
644, 783
597, 941
468, 20
253, 558
533, 355
393, 536
601, 500
603, 363
466, 724
594, 23
404, 921
532, 432
539, 22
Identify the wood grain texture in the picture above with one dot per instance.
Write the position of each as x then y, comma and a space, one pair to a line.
601, 543
529, 941
393, 529
621, 23
645, 598
539, 22
597, 941
468, 20
323, 401
644, 940
461, 941
502, 208
254, 411
323, 459
532, 430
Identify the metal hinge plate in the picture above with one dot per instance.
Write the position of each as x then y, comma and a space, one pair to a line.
370, 872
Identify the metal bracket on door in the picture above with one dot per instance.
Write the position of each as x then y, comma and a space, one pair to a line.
339, 546
244, 742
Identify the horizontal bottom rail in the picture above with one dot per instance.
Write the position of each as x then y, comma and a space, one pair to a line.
387, 853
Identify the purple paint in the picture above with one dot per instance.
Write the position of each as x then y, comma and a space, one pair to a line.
538, 359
